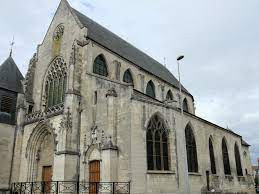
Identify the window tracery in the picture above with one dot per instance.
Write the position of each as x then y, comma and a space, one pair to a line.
157, 145
100, 66
56, 81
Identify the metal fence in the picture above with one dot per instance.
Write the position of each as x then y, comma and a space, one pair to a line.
71, 187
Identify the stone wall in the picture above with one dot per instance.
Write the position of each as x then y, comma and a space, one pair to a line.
7, 133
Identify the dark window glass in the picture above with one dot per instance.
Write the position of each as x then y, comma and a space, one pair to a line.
150, 90
225, 157
169, 95
238, 161
30, 108
100, 66
191, 150
55, 89
95, 97
6, 104
127, 77
185, 105
212, 158
157, 145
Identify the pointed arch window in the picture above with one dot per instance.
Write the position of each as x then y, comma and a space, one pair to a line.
212, 158
238, 161
100, 66
225, 157
185, 105
157, 145
127, 77
56, 82
150, 90
191, 150
169, 95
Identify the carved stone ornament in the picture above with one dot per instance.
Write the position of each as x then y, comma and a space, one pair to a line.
66, 122
111, 92
97, 135
59, 31
29, 78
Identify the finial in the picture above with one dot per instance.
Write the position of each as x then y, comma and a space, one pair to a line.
11, 50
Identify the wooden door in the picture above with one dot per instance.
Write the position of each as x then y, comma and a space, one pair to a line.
47, 178
94, 176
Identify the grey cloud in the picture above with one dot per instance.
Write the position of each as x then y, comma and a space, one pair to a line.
218, 38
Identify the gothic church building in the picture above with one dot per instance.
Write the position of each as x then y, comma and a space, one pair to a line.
93, 108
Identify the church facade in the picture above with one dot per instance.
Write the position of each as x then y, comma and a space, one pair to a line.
93, 108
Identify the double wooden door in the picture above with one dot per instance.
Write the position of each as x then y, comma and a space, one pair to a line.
47, 178
94, 176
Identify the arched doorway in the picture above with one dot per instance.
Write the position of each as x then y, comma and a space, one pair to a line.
40, 154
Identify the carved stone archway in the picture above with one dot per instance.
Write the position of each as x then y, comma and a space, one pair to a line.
40, 150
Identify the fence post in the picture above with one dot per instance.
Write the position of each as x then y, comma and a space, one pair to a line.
77, 186
43, 187
129, 187
31, 187
113, 188
20, 187
57, 187
96, 188
11, 189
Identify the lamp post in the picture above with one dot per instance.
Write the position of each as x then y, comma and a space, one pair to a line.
180, 85
182, 167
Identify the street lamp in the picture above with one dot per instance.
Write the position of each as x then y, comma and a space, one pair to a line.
183, 179
180, 85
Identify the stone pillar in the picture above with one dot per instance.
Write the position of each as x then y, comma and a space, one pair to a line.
109, 168
182, 168
142, 83
66, 160
18, 139
111, 130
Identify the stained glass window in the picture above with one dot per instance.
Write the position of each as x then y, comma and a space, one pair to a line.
225, 157
238, 161
157, 145
150, 90
127, 77
191, 150
100, 66
212, 158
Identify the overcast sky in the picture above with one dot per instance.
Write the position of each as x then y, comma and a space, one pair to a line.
220, 41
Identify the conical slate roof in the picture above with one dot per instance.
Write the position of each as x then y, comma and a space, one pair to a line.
10, 76
117, 45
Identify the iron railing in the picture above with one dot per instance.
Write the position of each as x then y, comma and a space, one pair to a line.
70, 187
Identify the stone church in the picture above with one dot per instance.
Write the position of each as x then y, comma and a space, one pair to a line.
96, 115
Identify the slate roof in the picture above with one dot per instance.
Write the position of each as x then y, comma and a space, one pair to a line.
10, 76
119, 46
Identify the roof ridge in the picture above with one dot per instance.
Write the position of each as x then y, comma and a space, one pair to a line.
118, 45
